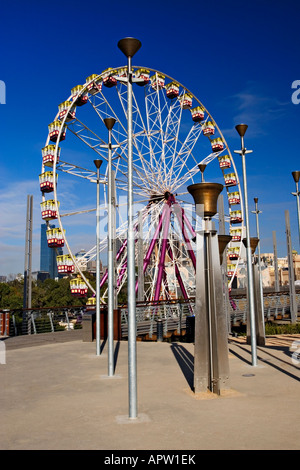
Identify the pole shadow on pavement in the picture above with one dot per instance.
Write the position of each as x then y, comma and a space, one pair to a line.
185, 361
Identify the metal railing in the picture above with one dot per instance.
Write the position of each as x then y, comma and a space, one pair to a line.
43, 320
172, 313
276, 307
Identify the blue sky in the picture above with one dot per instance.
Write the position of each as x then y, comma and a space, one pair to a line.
239, 59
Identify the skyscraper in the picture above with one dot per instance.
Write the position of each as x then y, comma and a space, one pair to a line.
48, 255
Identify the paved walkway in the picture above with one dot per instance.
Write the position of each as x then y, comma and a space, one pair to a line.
55, 394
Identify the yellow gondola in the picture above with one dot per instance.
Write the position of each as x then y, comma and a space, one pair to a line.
48, 209
224, 161
47, 181
233, 253
78, 287
208, 128
230, 179
48, 153
65, 264
79, 96
197, 114
54, 130
234, 198
64, 108
230, 269
94, 85
236, 234
235, 217
108, 77
158, 81
172, 90
143, 75
55, 237
186, 100
217, 144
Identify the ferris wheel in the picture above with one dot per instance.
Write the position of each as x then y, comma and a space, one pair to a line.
173, 137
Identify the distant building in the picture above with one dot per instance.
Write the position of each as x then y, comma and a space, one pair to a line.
268, 270
40, 275
3, 278
48, 255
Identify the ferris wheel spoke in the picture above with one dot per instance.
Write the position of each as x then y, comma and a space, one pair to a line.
101, 105
173, 127
155, 110
92, 140
143, 144
75, 170
185, 152
211, 157
177, 270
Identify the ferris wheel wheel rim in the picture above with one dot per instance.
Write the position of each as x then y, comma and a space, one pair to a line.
63, 122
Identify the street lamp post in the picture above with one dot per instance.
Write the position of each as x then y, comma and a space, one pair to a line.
241, 129
109, 123
296, 176
211, 366
129, 46
256, 212
98, 164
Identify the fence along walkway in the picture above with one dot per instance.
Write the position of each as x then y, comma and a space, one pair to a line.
173, 314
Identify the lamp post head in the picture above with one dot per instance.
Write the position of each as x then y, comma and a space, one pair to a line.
253, 243
202, 167
256, 200
98, 163
109, 122
223, 241
241, 128
296, 176
205, 196
129, 46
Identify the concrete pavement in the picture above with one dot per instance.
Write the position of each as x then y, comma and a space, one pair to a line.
55, 394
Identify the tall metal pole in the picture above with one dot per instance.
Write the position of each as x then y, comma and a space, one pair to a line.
30, 253
98, 164
276, 285
241, 129
293, 302
25, 294
221, 215
140, 259
296, 176
224, 263
109, 122
129, 46
256, 212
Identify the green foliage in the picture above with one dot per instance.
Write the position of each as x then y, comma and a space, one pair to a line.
49, 293
272, 329
286, 329
11, 294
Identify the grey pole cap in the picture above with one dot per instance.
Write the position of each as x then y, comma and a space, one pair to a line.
241, 128
129, 46
109, 122
98, 163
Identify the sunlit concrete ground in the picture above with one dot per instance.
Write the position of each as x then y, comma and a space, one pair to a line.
57, 395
